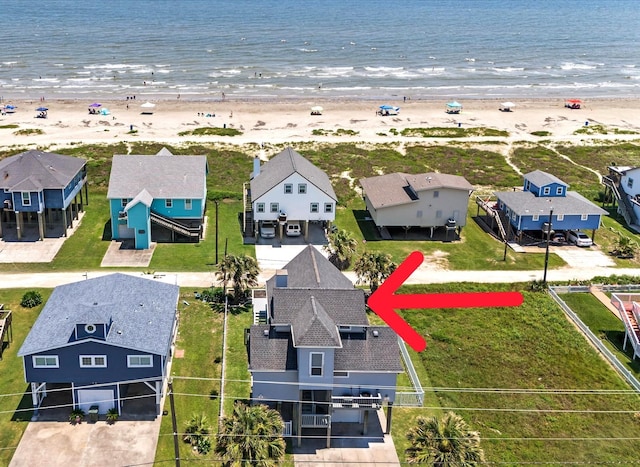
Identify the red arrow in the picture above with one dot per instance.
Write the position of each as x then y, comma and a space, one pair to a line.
383, 301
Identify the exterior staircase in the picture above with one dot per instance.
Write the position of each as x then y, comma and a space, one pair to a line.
496, 214
624, 204
629, 310
190, 232
247, 212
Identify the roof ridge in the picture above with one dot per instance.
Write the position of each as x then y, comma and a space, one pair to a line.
315, 265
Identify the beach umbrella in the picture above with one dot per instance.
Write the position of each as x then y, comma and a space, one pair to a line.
10, 107
42, 109
574, 101
454, 104
95, 105
386, 107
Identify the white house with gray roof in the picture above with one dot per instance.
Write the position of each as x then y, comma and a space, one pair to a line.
157, 198
105, 340
428, 200
315, 356
288, 188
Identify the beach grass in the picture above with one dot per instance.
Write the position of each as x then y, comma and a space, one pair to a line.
211, 131
530, 347
452, 132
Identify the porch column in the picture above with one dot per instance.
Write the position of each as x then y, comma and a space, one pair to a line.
389, 412
158, 396
1, 216
306, 230
41, 222
65, 224
365, 422
19, 225
34, 398
86, 194
329, 435
298, 407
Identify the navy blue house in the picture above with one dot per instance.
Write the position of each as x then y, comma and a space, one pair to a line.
103, 339
529, 210
41, 192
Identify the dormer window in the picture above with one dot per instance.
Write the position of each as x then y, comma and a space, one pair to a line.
90, 328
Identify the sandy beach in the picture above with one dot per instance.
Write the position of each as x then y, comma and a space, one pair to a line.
283, 121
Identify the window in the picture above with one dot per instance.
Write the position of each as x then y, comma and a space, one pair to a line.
314, 207
559, 190
168, 203
584, 217
418, 214
260, 207
90, 328
526, 185
45, 361
26, 198
328, 207
560, 217
139, 361
288, 188
436, 194
188, 204
302, 188
535, 217
317, 360
630, 183
93, 361
546, 190
513, 215
438, 214
123, 202
340, 374
274, 207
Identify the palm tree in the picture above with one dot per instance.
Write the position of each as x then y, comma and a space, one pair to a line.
251, 436
241, 270
444, 442
341, 248
374, 268
197, 433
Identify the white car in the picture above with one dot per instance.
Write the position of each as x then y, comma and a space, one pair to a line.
293, 229
579, 238
267, 229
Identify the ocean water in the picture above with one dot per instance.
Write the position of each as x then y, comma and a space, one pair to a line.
373, 49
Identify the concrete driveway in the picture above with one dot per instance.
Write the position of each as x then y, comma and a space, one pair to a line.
125, 443
577, 257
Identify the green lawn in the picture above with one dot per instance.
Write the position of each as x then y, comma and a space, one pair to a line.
13, 400
530, 347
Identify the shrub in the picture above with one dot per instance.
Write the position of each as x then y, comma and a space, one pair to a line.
213, 295
112, 415
76, 416
31, 299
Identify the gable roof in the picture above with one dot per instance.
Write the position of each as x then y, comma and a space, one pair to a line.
540, 178
400, 188
143, 197
142, 312
37, 170
312, 326
526, 203
285, 164
163, 176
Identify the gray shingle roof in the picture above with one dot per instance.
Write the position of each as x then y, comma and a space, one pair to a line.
392, 189
312, 326
161, 175
371, 353
284, 164
540, 178
273, 352
309, 269
142, 312
526, 203
37, 170
344, 307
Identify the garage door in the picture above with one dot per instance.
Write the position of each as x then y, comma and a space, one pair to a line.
346, 416
125, 232
103, 398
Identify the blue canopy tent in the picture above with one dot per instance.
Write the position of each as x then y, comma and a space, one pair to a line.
42, 112
10, 108
454, 107
388, 110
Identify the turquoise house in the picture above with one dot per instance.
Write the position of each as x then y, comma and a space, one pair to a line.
157, 198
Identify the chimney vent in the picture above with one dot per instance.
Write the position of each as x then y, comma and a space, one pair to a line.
265, 333
375, 333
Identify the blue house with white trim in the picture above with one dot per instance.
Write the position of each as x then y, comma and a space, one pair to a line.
103, 339
157, 198
41, 192
529, 210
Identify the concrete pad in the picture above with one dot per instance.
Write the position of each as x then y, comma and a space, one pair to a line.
275, 255
123, 254
577, 257
88, 444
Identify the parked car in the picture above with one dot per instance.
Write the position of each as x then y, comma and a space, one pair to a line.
267, 229
558, 238
579, 238
293, 229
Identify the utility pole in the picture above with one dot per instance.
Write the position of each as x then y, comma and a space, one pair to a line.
174, 423
546, 254
216, 201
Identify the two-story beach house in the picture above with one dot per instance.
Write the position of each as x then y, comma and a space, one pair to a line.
431, 200
288, 188
41, 194
623, 189
103, 340
314, 355
529, 210
157, 198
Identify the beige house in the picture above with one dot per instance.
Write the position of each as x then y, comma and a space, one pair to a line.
424, 200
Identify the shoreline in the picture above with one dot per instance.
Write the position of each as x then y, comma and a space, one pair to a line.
280, 120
